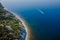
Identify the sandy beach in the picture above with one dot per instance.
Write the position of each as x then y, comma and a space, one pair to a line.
25, 25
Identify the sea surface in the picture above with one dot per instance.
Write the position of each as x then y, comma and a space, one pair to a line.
44, 21
45, 26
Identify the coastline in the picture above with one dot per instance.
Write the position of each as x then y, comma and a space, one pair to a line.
24, 24
26, 27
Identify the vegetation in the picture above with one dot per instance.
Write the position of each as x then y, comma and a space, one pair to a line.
9, 25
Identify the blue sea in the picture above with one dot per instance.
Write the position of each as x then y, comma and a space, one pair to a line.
44, 20
44, 26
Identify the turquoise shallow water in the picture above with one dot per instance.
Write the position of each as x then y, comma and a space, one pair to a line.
44, 21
